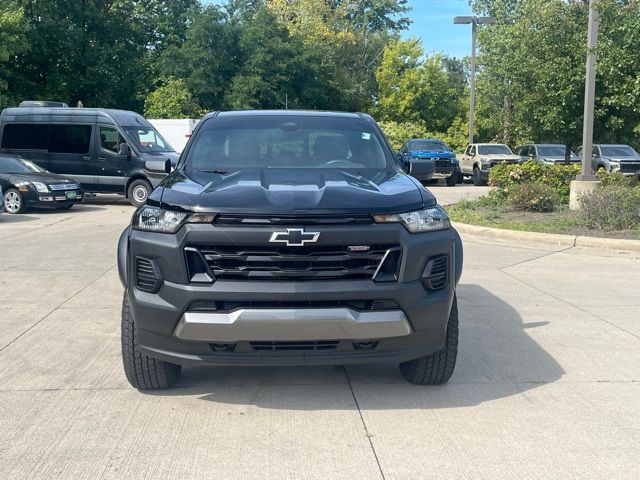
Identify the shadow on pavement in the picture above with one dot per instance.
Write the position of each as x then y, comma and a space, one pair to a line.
497, 358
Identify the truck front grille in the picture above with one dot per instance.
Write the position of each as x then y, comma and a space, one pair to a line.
629, 167
443, 165
281, 263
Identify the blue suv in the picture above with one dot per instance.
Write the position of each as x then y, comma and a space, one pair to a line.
445, 160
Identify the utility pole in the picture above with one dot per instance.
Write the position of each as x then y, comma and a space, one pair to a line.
590, 93
587, 182
474, 21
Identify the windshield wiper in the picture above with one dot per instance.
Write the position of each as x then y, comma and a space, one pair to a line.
220, 172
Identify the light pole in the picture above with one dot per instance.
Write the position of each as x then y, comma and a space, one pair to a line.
474, 21
587, 182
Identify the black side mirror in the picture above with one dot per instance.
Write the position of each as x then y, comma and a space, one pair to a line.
124, 150
162, 166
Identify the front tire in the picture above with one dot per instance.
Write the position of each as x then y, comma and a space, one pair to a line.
437, 368
452, 180
13, 202
143, 372
477, 177
138, 192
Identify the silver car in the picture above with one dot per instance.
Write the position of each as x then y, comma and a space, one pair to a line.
547, 153
614, 158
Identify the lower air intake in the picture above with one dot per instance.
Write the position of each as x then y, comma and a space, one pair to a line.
294, 346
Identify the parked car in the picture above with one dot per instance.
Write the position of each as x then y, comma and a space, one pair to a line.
26, 185
479, 158
614, 158
436, 150
289, 238
1, 200
547, 153
106, 151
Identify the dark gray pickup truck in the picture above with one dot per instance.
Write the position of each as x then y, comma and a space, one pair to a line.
289, 238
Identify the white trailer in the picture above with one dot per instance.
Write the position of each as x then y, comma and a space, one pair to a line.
176, 131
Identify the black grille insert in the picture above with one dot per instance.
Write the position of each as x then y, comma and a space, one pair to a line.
629, 167
233, 262
296, 221
230, 305
295, 346
436, 273
147, 275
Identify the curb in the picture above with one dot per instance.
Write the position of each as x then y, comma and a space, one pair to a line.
549, 238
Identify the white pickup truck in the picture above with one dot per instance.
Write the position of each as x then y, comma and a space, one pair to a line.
479, 158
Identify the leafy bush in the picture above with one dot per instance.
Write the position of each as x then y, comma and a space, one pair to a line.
558, 177
607, 179
611, 207
535, 197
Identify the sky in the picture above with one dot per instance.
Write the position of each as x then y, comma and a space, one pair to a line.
433, 23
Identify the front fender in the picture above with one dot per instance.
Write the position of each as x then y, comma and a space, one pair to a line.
459, 254
123, 256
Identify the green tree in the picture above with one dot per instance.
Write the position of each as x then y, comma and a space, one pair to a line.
276, 68
171, 99
12, 23
209, 57
412, 88
531, 80
89, 50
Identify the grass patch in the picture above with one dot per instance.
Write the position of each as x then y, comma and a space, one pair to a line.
488, 212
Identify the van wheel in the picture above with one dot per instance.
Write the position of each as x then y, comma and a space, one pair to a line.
437, 368
143, 372
477, 177
138, 192
13, 202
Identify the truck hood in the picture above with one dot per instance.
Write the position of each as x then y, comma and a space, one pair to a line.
500, 156
574, 159
424, 154
292, 192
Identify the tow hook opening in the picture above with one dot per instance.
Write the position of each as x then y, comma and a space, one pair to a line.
365, 345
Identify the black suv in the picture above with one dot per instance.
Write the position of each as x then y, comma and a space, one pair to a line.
289, 238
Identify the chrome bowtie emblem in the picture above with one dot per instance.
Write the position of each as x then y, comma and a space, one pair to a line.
294, 237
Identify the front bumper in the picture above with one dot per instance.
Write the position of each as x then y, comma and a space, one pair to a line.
169, 329
52, 199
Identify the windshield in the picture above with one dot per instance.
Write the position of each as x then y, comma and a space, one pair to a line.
427, 146
494, 150
18, 165
147, 139
286, 141
618, 151
552, 151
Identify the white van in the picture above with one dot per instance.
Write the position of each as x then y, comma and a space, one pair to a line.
176, 131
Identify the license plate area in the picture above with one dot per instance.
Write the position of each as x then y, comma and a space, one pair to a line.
71, 195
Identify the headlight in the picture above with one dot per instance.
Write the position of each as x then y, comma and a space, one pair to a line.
428, 220
154, 219
40, 187
614, 166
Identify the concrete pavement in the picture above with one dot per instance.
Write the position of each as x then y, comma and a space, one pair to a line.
546, 386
